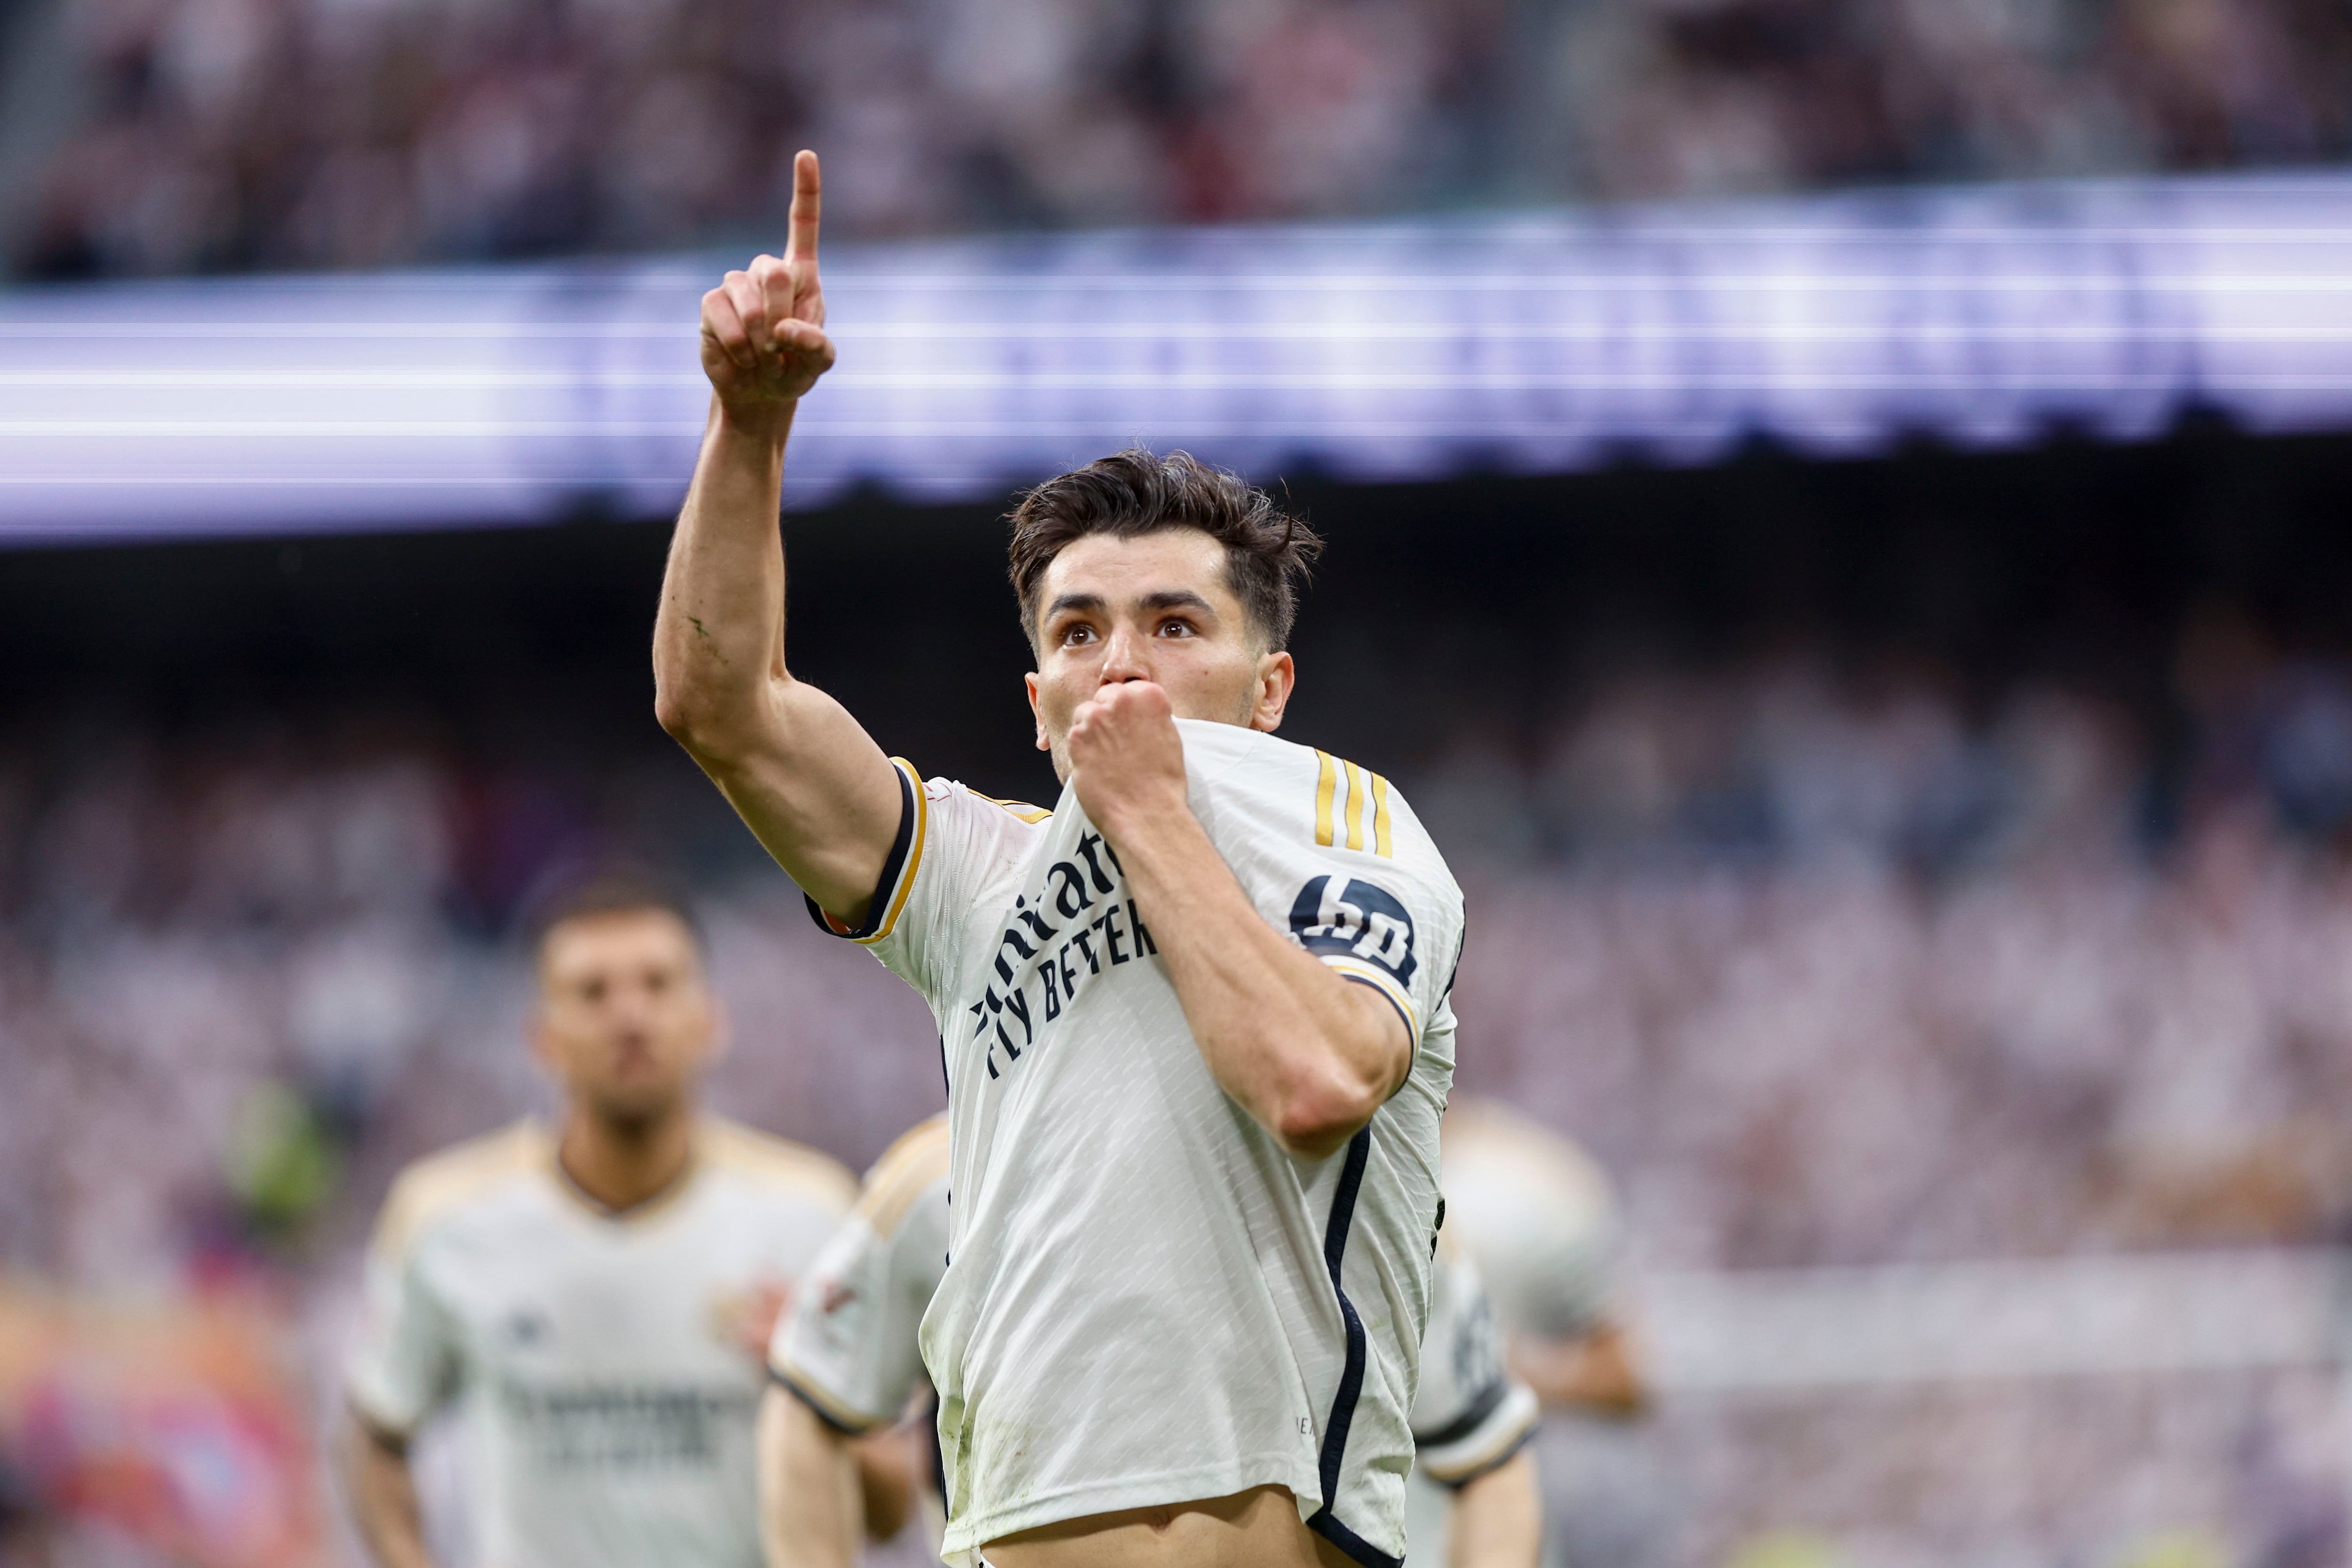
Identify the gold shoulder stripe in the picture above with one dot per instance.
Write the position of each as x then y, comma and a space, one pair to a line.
1031, 815
1381, 845
777, 1163
904, 1174
1325, 777
914, 855
429, 1189
1355, 807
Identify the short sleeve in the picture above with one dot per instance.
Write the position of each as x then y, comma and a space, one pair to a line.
1470, 1414
951, 843
850, 1346
405, 1365
1330, 853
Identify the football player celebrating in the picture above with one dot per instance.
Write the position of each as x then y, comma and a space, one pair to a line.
596, 1297
1195, 1016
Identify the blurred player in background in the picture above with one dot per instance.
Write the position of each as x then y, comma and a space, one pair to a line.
847, 1364
1195, 1019
1472, 1501
1541, 1218
1538, 1216
847, 1359
597, 1301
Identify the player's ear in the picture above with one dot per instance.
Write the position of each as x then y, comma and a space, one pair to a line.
1277, 674
1045, 741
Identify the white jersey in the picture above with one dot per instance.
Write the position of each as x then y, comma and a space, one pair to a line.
848, 1347
1538, 1216
596, 1356
851, 1345
1471, 1414
1146, 1301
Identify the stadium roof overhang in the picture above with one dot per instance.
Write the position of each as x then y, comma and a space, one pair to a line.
1547, 342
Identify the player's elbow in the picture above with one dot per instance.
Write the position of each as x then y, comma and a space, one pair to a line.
1316, 1119
678, 713
707, 721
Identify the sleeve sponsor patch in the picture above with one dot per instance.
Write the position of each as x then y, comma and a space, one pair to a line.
1335, 916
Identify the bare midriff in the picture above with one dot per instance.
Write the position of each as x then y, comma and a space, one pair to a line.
1257, 1529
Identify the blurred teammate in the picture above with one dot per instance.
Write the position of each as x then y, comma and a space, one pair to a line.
1472, 1501
846, 1358
597, 1300
1540, 1220
1195, 1018
846, 1362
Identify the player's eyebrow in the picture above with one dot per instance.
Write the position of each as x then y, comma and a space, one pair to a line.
1177, 599
1085, 604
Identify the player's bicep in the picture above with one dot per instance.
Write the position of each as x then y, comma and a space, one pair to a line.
819, 796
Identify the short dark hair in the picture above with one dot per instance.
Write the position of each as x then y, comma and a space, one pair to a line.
610, 892
1136, 492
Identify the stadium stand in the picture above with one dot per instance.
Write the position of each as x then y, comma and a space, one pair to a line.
199, 134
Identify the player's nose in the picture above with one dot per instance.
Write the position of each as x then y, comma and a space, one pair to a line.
1126, 657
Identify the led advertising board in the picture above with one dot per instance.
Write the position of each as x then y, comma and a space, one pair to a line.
1534, 342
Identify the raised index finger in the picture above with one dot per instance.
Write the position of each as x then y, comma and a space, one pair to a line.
808, 199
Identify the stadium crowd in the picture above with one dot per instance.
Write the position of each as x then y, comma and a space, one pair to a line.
302, 133
1826, 972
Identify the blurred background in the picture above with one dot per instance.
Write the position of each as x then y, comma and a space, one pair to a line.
1903, 779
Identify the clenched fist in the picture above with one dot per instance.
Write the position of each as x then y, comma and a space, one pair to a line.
763, 341
1126, 760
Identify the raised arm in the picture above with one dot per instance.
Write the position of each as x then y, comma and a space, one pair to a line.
809, 782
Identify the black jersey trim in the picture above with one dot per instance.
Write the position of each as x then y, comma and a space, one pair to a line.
1383, 992
1489, 1399
1510, 1452
1348, 1541
1351, 1374
937, 1455
833, 1422
879, 910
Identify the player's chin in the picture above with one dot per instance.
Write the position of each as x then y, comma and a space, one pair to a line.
636, 1104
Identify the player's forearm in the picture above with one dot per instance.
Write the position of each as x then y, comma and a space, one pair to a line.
1599, 1373
1310, 1056
810, 1511
804, 777
384, 1499
1498, 1518
718, 633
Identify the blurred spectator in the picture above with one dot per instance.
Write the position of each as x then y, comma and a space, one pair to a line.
239, 134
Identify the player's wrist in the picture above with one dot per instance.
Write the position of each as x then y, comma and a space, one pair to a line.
762, 420
1149, 827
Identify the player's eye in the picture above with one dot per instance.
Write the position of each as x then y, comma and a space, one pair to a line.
1173, 628
1076, 634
